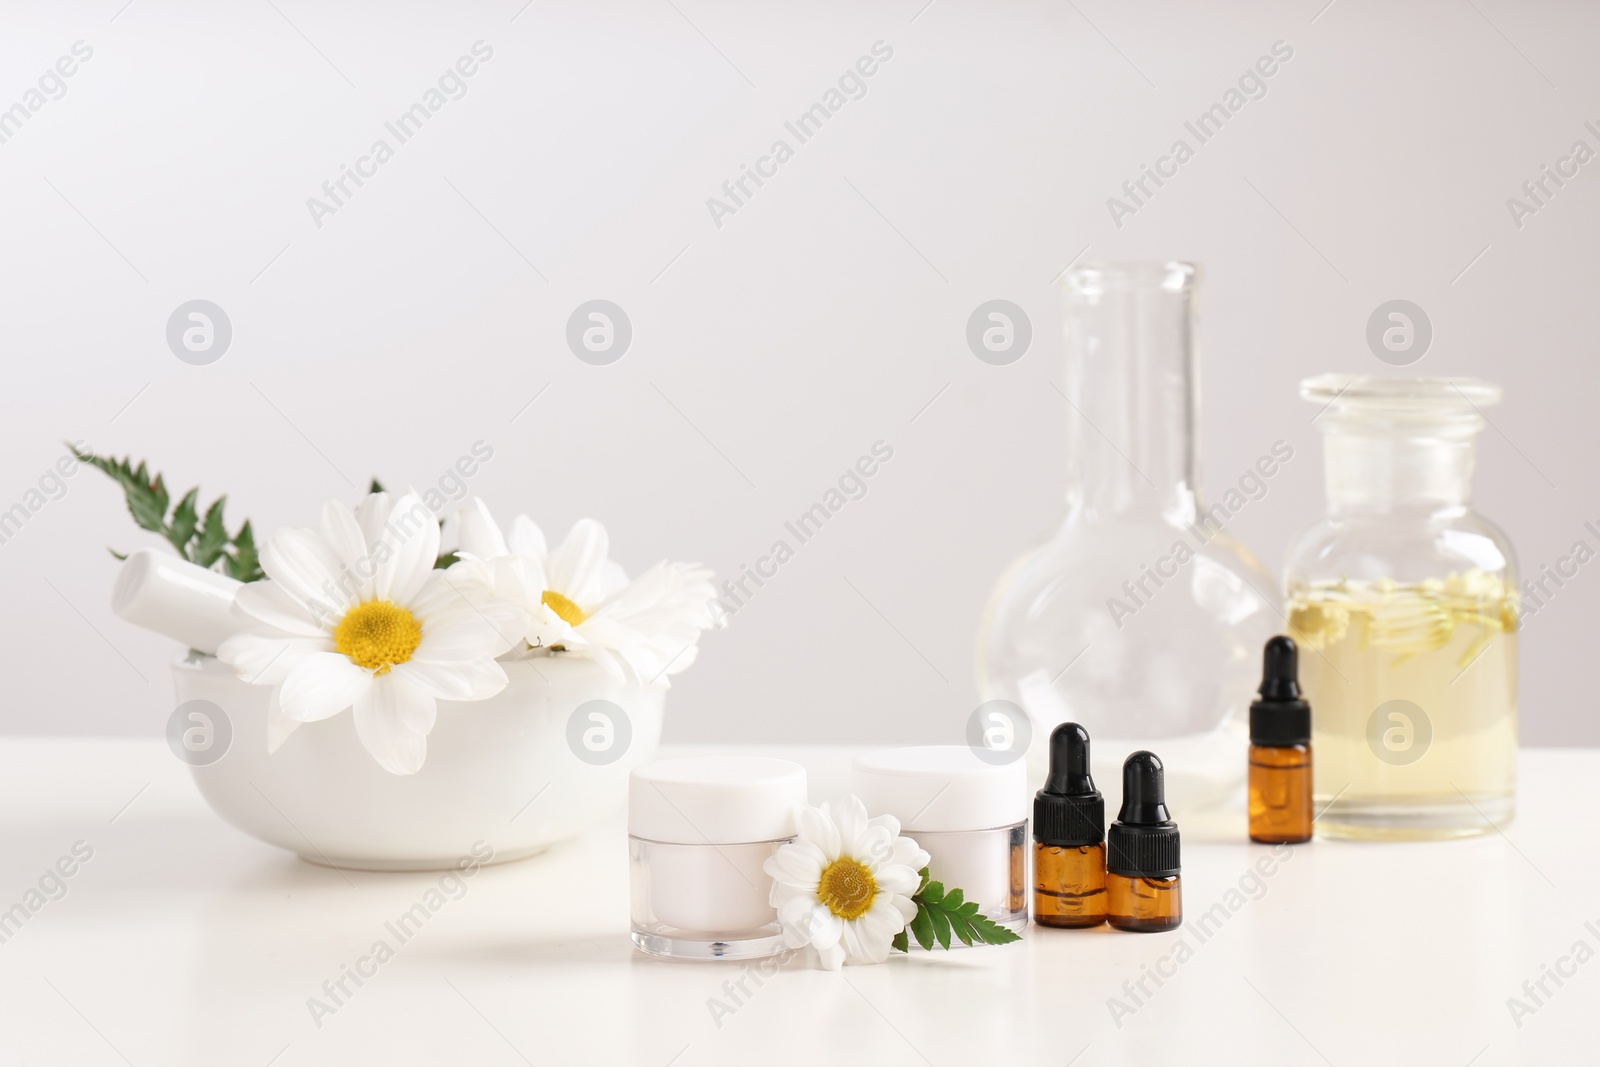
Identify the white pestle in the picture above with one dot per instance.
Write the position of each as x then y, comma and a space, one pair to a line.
176, 598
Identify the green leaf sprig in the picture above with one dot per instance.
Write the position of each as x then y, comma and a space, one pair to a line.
941, 913
202, 540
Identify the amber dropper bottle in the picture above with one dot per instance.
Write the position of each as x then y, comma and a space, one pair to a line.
1280, 750
1142, 853
1069, 837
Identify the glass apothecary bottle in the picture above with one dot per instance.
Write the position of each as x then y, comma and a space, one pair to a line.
1403, 602
1141, 617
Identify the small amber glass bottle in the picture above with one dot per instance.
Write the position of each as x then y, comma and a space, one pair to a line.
1280, 750
1069, 837
1142, 888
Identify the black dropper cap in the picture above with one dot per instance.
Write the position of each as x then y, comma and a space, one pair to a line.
1280, 716
1069, 811
1143, 842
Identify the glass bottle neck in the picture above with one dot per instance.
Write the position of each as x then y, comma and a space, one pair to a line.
1130, 384
1418, 473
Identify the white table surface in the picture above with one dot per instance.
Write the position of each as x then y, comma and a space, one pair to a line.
184, 942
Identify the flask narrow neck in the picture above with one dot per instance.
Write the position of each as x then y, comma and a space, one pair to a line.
1419, 472
1130, 384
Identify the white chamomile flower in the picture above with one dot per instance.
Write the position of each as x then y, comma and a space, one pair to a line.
578, 600
354, 615
845, 884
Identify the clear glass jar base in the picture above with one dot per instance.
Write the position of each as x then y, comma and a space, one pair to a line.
1013, 921
1410, 820
755, 947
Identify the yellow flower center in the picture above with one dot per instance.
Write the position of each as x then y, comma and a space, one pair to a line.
847, 888
377, 635
570, 613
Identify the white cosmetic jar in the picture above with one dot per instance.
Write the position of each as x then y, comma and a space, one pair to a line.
699, 829
969, 815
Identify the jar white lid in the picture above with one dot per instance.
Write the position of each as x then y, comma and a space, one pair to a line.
717, 800
942, 788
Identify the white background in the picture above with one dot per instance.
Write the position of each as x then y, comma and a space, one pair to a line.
769, 353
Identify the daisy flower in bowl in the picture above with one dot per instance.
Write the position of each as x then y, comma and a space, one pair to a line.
844, 885
578, 600
354, 616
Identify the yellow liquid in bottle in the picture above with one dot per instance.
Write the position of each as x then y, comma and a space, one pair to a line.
1413, 705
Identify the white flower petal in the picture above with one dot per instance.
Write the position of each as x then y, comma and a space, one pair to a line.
669, 599
612, 578
478, 533
575, 567
831, 958
506, 590
455, 590
608, 633
524, 576
877, 928
412, 538
798, 864
874, 846
528, 540
305, 565
372, 513
606, 661
548, 629
824, 928
897, 878
907, 853
805, 922
792, 904
393, 720
418, 710
882, 917
855, 950
465, 628
888, 822
851, 818
321, 685
816, 826
468, 572
872, 947
264, 659
267, 603
343, 534
476, 679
